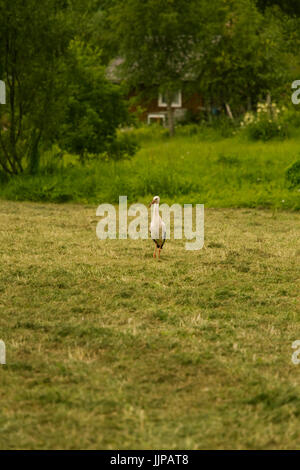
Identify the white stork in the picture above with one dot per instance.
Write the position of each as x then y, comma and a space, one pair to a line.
157, 227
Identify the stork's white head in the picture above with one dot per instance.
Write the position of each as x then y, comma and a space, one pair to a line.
155, 200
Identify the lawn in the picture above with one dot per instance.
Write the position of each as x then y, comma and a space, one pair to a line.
219, 172
108, 348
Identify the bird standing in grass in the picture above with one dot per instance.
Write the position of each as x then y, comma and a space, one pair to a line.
157, 227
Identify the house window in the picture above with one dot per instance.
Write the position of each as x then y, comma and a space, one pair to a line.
156, 118
176, 100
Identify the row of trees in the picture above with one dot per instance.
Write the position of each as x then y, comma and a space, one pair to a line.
56, 85
232, 50
53, 57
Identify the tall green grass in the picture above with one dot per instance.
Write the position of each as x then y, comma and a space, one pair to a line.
193, 168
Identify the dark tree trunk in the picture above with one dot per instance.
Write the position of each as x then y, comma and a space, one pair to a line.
249, 103
208, 109
171, 124
34, 156
10, 161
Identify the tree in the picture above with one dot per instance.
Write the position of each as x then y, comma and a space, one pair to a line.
291, 7
97, 31
246, 59
159, 39
53, 83
34, 38
95, 107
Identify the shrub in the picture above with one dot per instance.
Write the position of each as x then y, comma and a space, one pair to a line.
151, 132
266, 124
293, 174
95, 109
187, 130
217, 129
124, 147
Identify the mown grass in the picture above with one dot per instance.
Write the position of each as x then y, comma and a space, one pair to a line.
108, 348
231, 172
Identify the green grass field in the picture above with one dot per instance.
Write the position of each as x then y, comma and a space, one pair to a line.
110, 349
231, 172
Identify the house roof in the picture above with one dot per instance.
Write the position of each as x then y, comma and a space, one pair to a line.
115, 74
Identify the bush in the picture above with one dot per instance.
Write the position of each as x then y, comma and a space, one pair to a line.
220, 127
266, 130
293, 174
95, 109
145, 133
187, 130
291, 117
124, 147
266, 124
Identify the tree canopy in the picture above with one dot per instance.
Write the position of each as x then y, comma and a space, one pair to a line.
53, 56
52, 85
230, 49
160, 39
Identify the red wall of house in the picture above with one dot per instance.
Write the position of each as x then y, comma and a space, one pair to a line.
190, 102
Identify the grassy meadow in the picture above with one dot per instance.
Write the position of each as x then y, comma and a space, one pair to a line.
191, 168
107, 347
110, 349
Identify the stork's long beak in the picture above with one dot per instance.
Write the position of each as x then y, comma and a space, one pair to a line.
150, 204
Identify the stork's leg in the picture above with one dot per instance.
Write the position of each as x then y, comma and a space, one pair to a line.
154, 254
159, 252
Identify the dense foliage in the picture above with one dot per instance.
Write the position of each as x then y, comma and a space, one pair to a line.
61, 106
197, 165
232, 52
52, 86
94, 109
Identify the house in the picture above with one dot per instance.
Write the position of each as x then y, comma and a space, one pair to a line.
153, 104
